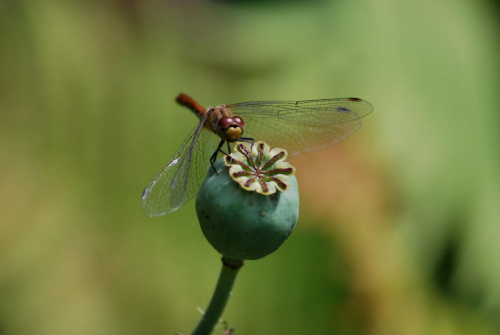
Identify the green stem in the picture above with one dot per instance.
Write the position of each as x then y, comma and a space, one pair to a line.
212, 315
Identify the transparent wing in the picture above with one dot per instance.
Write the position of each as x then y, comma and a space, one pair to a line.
180, 179
301, 126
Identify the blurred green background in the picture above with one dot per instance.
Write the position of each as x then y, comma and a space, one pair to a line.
399, 230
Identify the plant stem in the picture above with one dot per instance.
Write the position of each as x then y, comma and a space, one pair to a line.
222, 291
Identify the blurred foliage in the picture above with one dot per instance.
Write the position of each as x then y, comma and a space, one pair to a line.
399, 228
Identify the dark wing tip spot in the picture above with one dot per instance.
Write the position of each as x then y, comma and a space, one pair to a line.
343, 109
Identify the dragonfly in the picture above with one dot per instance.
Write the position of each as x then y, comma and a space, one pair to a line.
297, 126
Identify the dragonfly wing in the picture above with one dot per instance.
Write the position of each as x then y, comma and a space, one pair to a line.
301, 126
180, 179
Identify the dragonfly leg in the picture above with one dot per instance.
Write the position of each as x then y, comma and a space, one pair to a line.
223, 152
219, 149
214, 156
248, 140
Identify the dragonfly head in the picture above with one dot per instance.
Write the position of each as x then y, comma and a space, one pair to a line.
230, 128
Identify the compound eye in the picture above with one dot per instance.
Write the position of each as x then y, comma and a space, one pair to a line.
239, 121
224, 122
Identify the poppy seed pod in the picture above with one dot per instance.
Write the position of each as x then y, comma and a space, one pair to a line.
241, 223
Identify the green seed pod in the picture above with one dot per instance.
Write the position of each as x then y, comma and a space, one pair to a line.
242, 224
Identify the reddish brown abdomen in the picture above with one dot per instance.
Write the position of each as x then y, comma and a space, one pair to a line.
186, 101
